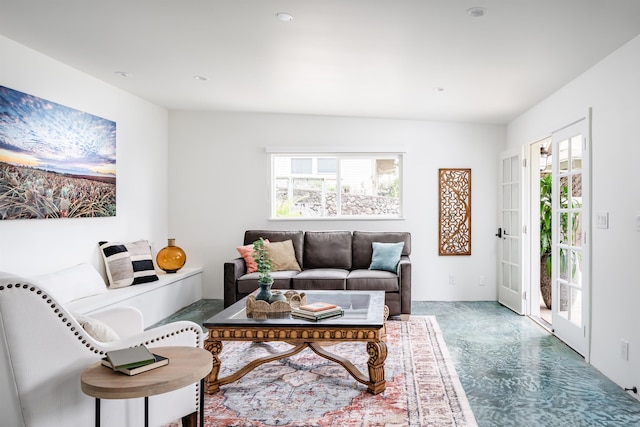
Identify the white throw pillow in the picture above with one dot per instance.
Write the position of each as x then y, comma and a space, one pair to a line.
100, 331
72, 283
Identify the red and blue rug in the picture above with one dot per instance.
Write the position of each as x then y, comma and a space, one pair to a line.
422, 387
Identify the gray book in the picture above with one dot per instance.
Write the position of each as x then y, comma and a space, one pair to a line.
131, 357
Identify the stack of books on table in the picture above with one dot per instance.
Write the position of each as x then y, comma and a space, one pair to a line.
317, 311
133, 360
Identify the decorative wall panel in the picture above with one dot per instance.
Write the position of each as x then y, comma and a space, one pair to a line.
455, 212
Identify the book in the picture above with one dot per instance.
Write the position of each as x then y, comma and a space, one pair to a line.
317, 313
328, 314
129, 358
334, 312
317, 306
159, 361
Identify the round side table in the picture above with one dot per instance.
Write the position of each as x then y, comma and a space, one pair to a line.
187, 365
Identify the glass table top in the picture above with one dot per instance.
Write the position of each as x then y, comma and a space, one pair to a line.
361, 308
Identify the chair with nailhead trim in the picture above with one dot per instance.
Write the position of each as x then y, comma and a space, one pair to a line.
46, 349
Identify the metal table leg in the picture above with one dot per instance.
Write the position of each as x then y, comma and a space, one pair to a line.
201, 408
97, 412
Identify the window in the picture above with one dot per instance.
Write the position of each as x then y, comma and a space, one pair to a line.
301, 165
336, 185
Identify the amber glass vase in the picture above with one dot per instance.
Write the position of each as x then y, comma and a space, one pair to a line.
171, 258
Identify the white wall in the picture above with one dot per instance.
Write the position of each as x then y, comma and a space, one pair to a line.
218, 188
37, 246
611, 88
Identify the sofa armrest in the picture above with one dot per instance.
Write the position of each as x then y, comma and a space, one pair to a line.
232, 271
125, 321
404, 272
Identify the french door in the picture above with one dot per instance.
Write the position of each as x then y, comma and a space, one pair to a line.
570, 271
510, 293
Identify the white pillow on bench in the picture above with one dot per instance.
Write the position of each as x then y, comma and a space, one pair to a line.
72, 283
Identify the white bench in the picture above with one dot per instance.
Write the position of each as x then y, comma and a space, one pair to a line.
157, 300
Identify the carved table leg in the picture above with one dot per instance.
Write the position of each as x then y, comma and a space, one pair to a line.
383, 332
377, 351
211, 381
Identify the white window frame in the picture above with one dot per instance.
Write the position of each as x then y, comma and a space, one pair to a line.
340, 153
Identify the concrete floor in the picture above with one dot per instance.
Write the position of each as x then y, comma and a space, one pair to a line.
514, 372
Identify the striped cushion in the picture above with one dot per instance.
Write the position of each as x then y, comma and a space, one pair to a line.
128, 263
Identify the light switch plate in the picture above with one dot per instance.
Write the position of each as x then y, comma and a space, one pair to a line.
602, 220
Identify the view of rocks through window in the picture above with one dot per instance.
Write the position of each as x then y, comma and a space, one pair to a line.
316, 197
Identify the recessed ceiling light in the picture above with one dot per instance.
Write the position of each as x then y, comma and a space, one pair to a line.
201, 78
284, 17
121, 74
477, 12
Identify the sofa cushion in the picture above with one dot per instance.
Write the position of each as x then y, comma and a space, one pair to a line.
128, 263
282, 256
363, 245
296, 237
246, 252
386, 256
372, 280
321, 279
72, 283
327, 249
281, 280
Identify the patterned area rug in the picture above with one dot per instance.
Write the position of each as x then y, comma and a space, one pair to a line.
422, 387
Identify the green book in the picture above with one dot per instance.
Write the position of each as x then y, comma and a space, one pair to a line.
132, 357
160, 361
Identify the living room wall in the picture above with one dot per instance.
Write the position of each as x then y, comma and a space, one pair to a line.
219, 187
34, 246
611, 89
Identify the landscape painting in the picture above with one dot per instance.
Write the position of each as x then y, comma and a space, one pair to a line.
55, 161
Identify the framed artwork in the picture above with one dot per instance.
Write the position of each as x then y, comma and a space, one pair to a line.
454, 237
55, 162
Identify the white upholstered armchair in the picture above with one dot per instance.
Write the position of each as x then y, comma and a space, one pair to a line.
46, 349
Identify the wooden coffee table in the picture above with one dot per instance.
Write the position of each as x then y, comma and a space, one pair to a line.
187, 365
363, 321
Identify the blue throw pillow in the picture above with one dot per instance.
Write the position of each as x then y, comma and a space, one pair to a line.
386, 256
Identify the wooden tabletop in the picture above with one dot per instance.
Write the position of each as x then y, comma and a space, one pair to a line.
187, 365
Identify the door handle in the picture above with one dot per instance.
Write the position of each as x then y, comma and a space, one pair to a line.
501, 233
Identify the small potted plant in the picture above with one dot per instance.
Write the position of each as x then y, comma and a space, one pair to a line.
265, 279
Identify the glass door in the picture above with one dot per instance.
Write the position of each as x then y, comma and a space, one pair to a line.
571, 223
510, 293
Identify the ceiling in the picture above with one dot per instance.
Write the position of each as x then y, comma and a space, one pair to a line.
363, 58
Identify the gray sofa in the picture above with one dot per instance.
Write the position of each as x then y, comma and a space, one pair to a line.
329, 260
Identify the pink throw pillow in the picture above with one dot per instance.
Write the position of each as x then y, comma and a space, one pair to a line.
246, 252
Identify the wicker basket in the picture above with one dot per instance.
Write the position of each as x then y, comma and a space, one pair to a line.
263, 309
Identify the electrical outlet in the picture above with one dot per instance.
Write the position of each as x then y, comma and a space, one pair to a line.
481, 281
452, 279
624, 350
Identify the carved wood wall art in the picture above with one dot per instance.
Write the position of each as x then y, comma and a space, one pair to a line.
454, 237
